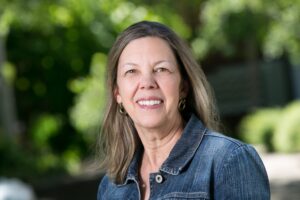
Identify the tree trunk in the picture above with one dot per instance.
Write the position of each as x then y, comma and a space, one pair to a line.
8, 119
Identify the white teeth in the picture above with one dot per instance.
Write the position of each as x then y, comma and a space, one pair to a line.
149, 102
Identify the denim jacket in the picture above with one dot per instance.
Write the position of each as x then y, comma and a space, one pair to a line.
202, 165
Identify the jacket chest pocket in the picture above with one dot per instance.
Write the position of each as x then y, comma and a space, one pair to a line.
185, 196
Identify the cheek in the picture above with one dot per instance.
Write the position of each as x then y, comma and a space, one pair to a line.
171, 88
126, 89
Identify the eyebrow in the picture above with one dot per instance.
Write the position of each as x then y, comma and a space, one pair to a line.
156, 63
129, 63
162, 61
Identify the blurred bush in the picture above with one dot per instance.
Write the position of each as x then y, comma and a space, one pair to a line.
276, 129
41, 157
90, 98
287, 133
12, 158
258, 127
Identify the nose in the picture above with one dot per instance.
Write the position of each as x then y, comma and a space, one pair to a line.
147, 81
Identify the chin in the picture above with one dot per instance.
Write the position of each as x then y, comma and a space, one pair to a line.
149, 123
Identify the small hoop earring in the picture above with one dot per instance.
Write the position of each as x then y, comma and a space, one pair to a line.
122, 110
181, 104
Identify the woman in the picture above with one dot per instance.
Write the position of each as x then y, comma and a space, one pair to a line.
158, 133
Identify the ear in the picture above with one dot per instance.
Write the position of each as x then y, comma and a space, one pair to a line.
184, 88
117, 95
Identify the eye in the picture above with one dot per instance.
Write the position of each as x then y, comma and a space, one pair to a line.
161, 69
130, 71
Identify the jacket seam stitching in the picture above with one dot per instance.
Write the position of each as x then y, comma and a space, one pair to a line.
230, 157
238, 143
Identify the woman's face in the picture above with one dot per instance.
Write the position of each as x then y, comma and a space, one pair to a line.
149, 83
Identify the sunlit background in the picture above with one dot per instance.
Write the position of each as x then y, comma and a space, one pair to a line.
52, 83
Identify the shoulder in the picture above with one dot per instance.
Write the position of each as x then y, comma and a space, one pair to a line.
226, 144
218, 142
237, 166
103, 186
223, 150
222, 139
229, 148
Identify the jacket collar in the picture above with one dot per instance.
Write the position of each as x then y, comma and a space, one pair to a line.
180, 155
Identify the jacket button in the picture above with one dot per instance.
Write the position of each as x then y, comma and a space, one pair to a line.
158, 178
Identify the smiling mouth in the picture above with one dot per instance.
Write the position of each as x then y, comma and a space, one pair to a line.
149, 102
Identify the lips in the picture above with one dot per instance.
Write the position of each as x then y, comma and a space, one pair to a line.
149, 102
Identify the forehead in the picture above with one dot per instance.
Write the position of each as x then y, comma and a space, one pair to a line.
150, 48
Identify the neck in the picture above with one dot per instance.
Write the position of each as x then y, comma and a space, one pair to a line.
158, 145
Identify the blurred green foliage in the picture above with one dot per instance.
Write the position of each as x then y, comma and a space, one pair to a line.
277, 129
287, 133
8, 71
87, 111
58, 54
258, 127
231, 26
56, 50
